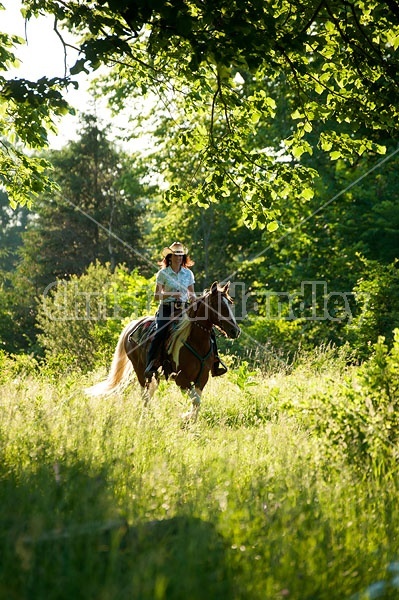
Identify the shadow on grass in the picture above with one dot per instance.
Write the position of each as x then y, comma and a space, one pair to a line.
65, 540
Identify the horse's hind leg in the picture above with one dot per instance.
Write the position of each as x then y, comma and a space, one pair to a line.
148, 390
147, 387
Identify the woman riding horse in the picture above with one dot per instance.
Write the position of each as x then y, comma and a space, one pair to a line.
190, 349
174, 291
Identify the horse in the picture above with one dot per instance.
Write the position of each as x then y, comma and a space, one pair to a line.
189, 351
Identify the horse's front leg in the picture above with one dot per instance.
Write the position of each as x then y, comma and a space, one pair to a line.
195, 395
145, 395
148, 390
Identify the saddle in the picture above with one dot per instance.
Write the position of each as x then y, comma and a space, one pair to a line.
142, 335
142, 332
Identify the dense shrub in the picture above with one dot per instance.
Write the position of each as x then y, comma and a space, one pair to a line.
13, 366
81, 319
361, 420
377, 307
266, 342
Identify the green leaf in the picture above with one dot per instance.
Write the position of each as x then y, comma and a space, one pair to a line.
272, 226
307, 193
255, 116
297, 115
79, 67
325, 145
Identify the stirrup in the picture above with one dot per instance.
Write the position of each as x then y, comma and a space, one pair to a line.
151, 369
218, 368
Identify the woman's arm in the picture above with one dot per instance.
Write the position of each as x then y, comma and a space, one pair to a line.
191, 293
160, 293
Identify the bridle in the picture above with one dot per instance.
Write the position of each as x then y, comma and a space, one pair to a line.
208, 321
208, 330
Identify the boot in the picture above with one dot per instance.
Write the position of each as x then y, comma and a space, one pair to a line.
151, 368
153, 360
218, 367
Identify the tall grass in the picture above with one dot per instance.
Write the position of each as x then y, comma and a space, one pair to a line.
100, 500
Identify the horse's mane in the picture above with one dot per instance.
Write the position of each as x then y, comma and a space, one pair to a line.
179, 336
182, 329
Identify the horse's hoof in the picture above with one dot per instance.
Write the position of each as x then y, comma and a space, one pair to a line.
190, 416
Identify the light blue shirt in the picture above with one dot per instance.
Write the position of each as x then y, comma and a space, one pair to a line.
175, 282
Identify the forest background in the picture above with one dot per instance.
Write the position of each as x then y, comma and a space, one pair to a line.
280, 176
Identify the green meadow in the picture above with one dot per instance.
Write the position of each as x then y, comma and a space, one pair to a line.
285, 487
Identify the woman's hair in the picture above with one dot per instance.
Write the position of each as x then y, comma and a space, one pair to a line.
186, 262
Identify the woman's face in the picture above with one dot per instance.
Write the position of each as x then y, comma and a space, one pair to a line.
176, 261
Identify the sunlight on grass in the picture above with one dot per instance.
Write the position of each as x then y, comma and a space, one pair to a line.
101, 499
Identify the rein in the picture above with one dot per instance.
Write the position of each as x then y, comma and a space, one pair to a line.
202, 359
207, 329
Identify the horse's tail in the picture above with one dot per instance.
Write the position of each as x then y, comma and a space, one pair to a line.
120, 369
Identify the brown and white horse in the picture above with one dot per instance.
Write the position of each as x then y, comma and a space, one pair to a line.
190, 352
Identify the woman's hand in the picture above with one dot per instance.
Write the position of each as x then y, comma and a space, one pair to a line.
176, 295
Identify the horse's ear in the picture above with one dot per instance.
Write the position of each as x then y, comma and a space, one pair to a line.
226, 287
214, 287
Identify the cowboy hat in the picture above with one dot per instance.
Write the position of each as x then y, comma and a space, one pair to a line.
175, 248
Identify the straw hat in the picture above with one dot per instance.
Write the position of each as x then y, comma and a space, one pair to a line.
175, 248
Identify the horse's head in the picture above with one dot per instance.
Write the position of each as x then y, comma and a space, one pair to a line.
219, 310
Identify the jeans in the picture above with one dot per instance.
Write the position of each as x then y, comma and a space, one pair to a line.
165, 313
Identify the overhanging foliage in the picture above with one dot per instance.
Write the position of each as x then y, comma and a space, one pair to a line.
336, 60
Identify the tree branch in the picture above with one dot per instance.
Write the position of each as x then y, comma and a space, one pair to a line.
365, 36
313, 17
55, 28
